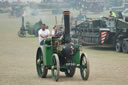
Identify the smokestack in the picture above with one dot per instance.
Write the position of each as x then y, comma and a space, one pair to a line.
22, 27
67, 38
22, 21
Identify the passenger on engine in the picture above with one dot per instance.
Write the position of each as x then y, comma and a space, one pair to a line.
43, 33
56, 32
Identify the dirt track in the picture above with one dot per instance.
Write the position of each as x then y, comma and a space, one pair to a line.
17, 61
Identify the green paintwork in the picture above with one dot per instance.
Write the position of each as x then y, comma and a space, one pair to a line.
76, 58
32, 29
47, 53
47, 41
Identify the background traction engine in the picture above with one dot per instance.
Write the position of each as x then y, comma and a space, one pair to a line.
31, 29
60, 54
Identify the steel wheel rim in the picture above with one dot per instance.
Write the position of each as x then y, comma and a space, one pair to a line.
84, 69
39, 66
84, 65
55, 67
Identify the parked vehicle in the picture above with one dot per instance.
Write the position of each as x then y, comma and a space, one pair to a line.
104, 31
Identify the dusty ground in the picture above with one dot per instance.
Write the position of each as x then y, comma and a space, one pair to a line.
17, 61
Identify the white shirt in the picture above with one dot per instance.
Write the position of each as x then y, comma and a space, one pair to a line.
53, 32
44, 32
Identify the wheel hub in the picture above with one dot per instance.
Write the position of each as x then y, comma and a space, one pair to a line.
38, 61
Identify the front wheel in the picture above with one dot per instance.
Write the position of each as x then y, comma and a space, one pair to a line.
70, 72
41, 69
84, 67
55, 67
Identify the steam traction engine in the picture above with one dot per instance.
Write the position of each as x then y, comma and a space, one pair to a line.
31, 29
60, 54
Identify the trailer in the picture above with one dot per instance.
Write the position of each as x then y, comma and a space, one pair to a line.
95, 31
103, 31
122, 36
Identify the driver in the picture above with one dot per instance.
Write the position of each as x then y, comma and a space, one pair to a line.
55, 31
112, 14
43, 33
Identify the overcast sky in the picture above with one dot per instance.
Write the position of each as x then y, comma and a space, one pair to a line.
22, 0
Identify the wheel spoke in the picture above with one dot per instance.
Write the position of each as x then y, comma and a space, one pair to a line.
84, 72
84, 61
70, 72
42, 67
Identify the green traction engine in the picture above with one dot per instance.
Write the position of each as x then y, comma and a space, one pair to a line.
31, 29
60, 54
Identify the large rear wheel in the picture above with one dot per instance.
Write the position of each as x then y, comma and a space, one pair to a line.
55, 67
84, 67
41, 69
21, 34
